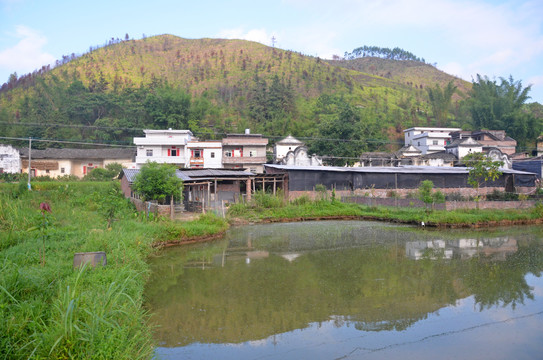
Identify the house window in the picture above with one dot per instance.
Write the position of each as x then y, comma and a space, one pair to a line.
47, 171
212, 155
149, 152
173, 152
62, 170
435, 142
228, 153
252, 153
197, 153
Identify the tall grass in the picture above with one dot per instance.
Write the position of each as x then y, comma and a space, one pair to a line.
55, 311
304, 208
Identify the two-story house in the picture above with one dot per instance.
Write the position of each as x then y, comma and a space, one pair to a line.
429, 140
247, 151
163, 146
204, 154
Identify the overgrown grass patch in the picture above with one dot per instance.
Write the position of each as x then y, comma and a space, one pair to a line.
305, 208
55, 311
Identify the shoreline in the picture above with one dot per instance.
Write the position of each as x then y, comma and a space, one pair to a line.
240, 221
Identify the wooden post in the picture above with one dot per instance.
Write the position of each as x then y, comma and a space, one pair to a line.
172, 209
209, 194
248, 189
274, 186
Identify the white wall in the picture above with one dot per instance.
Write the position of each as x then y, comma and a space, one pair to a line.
10, 159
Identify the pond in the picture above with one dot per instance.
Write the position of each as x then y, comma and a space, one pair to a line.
350, 290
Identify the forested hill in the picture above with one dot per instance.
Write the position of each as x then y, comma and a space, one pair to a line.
215, 86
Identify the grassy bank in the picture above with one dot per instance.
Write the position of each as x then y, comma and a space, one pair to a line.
50, 310
265, 207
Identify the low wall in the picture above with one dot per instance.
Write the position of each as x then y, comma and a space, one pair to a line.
448, 205
391, 193
155, 208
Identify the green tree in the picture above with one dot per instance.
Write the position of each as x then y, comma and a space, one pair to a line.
481, 169
157, 181
501, 105
428, 196
440, 100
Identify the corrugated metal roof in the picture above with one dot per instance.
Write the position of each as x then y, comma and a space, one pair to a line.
199, 173
194, 175
389, 169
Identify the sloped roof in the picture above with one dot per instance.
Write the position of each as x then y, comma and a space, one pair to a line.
67, 153
440, 155
290, 140
468, 142
195, 174
408, 169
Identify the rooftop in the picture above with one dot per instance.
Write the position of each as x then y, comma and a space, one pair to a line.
67, 153
385, 169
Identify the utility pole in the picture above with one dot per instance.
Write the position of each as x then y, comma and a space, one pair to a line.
29, 159
273, 39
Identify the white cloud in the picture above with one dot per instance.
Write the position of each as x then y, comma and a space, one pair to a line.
27, 54
258, 35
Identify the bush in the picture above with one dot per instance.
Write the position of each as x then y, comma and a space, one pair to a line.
497, 195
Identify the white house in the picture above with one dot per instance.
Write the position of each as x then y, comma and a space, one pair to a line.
163, 146
427, 139
463, 147
282, 147
204, 154
10, 159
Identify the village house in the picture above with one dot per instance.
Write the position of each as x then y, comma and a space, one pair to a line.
204, 154
163, 146
244, 151
282, 147
489, 139
78, 162
428, 139
10, 159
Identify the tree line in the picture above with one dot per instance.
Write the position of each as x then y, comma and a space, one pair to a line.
382, 52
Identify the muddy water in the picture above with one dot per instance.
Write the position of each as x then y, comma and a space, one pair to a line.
351, 290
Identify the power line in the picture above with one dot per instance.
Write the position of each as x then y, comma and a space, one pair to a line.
370, 140
66, 142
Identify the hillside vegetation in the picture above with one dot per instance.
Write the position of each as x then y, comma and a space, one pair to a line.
216, 86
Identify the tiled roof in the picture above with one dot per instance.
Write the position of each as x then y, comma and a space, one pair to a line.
66, 153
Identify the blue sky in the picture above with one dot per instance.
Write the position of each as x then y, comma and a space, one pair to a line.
497, 38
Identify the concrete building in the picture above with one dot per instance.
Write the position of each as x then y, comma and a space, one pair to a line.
285, 145
78, 162
463, 147
244, 151
204, 154
428, 139
10, 159
163, 146
489, 139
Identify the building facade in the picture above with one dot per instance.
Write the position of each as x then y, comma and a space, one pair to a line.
163, 146
244, 151
204, 154
427, 139
78, 162
10, 159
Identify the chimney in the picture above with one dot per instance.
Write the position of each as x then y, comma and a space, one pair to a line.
247, 131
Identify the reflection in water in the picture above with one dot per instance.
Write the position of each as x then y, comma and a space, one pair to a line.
498, 248
263, 284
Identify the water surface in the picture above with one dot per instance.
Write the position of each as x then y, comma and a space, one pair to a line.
351, 290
